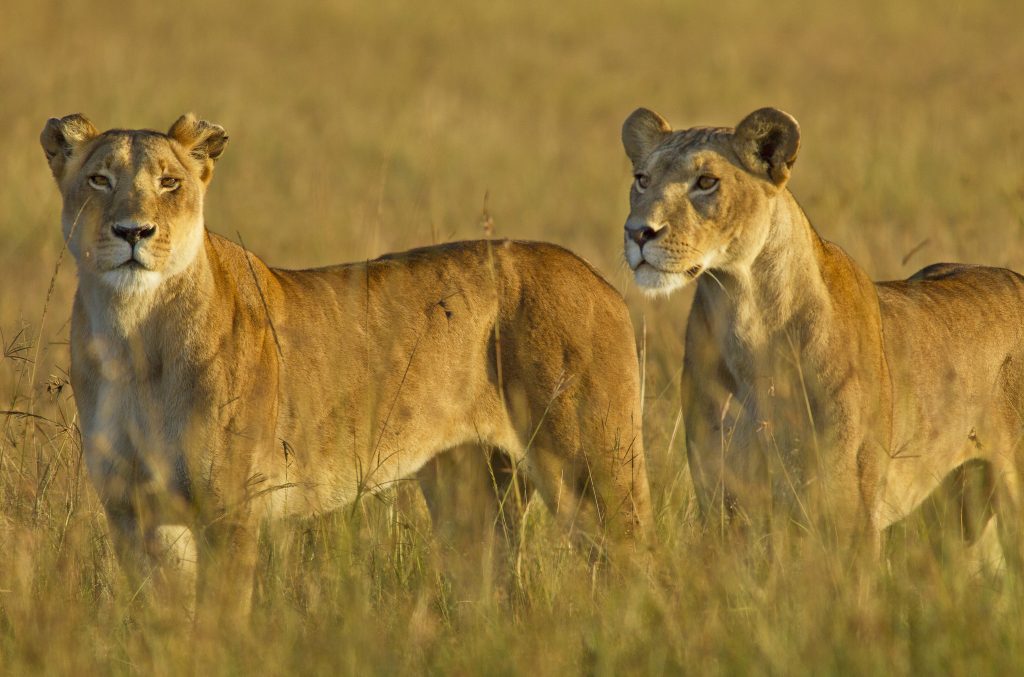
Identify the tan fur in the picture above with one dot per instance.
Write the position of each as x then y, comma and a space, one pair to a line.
216, 392
803, 379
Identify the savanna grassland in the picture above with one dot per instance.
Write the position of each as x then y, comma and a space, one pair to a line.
363, 128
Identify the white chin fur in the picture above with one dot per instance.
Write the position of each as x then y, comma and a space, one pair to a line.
654, 282
131, 281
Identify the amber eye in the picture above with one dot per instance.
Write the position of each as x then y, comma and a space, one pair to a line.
99, 181
641, 182
169, 183
706, 182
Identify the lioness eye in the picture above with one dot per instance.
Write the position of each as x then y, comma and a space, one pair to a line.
99, 181
707, 182
642, 181
169, 182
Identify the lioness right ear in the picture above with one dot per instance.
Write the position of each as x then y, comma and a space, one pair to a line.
60, 137
203, 140
642, 132
767, 142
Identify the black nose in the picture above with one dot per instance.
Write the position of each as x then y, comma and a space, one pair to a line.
133, 233
641, 235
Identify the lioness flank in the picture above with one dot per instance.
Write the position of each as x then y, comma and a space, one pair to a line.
216, 392
803, 379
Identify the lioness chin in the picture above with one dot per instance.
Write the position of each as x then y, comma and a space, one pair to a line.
803, 379
216, 392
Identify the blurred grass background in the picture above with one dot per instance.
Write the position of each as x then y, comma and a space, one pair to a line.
361, 128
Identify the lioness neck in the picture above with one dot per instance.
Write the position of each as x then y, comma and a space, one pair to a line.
777, 286
178, 301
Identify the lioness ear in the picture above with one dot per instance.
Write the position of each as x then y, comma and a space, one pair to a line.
642, 132
60, 137
203, 140
767, 141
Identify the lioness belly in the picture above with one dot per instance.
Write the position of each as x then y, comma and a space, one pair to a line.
346, 468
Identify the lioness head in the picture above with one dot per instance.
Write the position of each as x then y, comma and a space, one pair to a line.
701, 197
133, 199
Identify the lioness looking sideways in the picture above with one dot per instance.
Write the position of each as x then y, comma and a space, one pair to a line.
803, 379
216, 392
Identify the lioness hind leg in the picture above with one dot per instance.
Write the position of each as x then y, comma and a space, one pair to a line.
984, 552
594, 480
959, 517
476, 500
1008, 519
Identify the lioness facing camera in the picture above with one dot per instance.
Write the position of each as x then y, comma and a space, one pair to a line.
216, 392
802, 378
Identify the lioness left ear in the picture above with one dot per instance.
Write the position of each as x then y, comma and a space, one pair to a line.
203, 140
767, 142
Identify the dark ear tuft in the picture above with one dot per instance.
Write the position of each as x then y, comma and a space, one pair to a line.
60, 137
767, 142
203, 140
642, 132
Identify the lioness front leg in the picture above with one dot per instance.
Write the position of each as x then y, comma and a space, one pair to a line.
226, 571
845, 498
159, 560
726, 464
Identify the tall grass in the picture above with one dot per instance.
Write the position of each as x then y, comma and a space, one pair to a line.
361, 128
